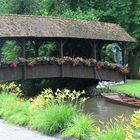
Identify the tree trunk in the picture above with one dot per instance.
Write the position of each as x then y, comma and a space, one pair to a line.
133, 65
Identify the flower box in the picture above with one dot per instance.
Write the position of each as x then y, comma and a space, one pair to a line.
42, 71
10, 74
80, 71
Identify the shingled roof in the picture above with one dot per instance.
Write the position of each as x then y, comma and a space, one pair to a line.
34, 26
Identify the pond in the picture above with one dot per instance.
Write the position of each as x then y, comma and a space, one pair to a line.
104, 110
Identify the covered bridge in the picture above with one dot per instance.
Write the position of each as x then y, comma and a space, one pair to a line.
39, 30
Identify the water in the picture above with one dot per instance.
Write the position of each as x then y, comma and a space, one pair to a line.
104, 110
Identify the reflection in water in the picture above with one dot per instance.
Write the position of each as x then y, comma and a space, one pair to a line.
104, 110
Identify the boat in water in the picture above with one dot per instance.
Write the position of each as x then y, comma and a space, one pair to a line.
122, 99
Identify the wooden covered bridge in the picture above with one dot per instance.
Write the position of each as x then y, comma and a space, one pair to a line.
40, 30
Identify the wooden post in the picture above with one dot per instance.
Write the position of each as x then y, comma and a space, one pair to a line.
22, 44
94, 49
61, 48
1, 45
123, 59
61, 55
123, 55
94, 55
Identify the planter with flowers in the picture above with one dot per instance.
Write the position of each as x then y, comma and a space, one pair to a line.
78, 67
124, 71
42, 67
60, 61
13, 64
10, 70
31, 62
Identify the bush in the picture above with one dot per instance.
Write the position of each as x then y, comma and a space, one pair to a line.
53, 119
81, 127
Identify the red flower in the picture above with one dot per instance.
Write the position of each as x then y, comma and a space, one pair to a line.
30, 65
13, 65
125, 71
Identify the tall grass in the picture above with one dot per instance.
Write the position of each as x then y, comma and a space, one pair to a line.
113, 131
81, 128
14, 110
53, 119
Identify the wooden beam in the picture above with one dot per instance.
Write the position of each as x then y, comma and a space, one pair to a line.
123, 58
62, 43
94, 44
123, 54
22, 43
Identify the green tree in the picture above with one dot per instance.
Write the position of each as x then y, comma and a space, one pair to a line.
57, 7
79, 14
4, 6
127, 14
23, 7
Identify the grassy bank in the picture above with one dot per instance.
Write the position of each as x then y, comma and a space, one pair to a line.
50, 112
131, 88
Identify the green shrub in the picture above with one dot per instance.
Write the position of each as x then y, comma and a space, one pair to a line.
53, 119
81, 127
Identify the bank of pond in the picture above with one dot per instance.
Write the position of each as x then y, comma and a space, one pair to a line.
62, 112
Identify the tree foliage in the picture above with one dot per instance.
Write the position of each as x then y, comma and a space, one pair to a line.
21, 7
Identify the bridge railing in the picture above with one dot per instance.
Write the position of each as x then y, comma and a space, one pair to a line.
53, 68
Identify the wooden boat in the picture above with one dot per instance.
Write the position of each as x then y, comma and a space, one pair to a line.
121, 99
